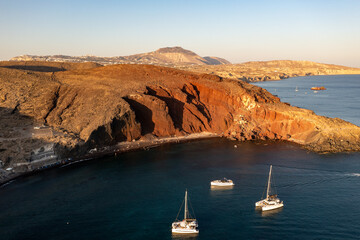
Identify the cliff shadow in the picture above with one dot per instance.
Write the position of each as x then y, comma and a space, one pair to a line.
195, 100
176, 108
108, 134
143, 115
36, 68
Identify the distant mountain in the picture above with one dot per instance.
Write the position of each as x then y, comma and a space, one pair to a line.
163, 56
216, 61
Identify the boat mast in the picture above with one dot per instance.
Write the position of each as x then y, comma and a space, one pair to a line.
268, 186
186, 207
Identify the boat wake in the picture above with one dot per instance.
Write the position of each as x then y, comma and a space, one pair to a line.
354, 174
319, 181
324, 176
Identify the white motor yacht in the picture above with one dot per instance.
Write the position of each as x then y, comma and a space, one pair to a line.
222, 183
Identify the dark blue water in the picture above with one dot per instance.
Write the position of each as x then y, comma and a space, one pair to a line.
137, 195
341, 99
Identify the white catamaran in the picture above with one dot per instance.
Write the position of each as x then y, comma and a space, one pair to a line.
271, 202
188, 225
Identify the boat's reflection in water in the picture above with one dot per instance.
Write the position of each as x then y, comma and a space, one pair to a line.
187, 236
216, 191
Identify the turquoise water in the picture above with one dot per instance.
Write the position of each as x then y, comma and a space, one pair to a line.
137, 195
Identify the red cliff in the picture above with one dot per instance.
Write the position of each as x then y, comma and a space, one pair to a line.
105, 105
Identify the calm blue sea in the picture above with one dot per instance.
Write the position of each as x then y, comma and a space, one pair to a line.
341, 99
137, 195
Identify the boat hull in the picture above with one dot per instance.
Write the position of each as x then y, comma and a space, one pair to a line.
272, 207
259, 203
184, 231
221, 187
221, 184
266, 205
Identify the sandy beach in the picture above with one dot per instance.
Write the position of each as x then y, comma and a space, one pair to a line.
122, 147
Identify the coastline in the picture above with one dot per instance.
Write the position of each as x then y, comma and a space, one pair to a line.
80, 113
121, 147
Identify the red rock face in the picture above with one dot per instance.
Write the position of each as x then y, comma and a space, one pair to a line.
153, 114
106, 105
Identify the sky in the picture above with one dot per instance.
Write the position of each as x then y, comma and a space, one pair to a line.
326, 31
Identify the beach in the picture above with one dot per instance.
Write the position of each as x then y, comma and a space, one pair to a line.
28, 168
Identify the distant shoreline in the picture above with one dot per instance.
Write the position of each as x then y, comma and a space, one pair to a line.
114, 150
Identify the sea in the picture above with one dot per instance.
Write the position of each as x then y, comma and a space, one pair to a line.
137, 195
340, 99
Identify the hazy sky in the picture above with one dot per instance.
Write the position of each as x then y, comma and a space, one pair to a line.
317, 30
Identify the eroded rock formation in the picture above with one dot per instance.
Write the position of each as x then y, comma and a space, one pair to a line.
104, 105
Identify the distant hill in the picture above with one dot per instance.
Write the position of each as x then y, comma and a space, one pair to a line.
178, 57
168, 56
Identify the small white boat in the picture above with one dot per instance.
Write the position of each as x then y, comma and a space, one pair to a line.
222, 183
296, 89
271, 202
188, 225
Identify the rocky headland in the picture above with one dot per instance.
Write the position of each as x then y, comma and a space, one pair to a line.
48, 116
271, 70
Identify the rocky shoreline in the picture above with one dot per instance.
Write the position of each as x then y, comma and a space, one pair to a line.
80, 112
271, 70
108, 151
